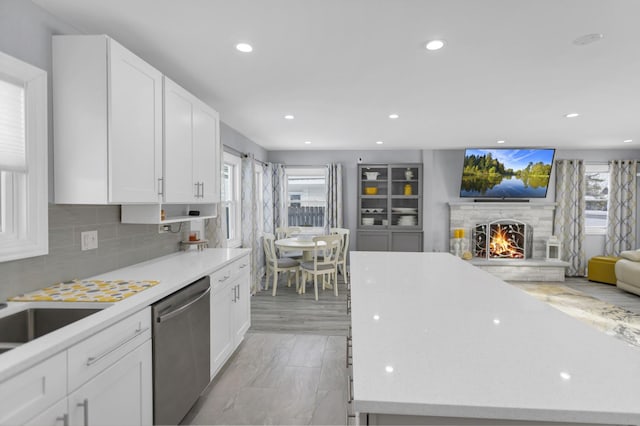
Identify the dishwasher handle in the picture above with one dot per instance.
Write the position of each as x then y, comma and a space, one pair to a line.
183, 308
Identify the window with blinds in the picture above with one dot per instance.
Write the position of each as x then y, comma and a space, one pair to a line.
12, 127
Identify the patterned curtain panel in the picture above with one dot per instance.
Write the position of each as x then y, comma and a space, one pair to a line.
216, 229
267, 199
334, 195
621, 223
569, 223
250, 237
279, 198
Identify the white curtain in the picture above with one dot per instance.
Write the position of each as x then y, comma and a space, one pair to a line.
334, 196
569, 222
250, 237
216, 228
621, 221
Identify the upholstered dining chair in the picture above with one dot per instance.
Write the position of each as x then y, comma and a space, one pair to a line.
276, 264
324, 263
342, 259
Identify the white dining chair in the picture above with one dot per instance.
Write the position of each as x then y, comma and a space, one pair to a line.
276, 264
324, 263
342, 259
288, 232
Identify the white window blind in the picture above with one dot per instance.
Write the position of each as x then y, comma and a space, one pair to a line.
12, 127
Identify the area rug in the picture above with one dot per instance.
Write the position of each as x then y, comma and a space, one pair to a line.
606, 317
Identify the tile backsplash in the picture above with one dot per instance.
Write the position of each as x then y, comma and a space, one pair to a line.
119, 245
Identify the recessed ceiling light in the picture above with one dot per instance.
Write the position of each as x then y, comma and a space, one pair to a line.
435, 45
627, 140
307, 142
565, 375
588, 39
379, 142
289, 117
388, 369
244, 47
572, 115
393, 116
500, 142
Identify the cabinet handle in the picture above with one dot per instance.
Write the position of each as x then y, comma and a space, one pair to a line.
93, 359
226, 277
85, 405
244, 265
234, 295
160, 186
202, 191
197, 185
64, 418
238, 289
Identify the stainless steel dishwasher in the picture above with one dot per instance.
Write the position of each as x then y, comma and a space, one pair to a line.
180, 351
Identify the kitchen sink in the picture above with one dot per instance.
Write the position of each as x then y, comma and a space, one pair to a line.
24, 326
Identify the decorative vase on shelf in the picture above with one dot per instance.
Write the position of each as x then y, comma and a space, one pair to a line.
408, 175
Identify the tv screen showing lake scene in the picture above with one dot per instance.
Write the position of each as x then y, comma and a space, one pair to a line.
506, 173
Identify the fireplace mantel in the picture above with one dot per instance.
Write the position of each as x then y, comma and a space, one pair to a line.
493, 205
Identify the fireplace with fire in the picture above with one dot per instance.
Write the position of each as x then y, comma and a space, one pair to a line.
504, 239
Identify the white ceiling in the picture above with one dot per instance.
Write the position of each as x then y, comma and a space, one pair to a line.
509, 69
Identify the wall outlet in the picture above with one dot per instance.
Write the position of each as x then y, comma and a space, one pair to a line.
89, 240
163, 229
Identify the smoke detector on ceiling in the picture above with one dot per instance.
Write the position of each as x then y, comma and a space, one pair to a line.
588, 39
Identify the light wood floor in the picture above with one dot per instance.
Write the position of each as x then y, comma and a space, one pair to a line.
290, 369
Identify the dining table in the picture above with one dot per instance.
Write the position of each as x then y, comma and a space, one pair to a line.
302, 243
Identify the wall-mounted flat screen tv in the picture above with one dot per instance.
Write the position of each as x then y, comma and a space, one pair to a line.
506, 173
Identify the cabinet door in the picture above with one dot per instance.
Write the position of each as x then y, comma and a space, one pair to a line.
406, 241
241, 308
178, 144
32, 391
373, 241
56, 415
206, 155
221, 331
135, 127
120, 395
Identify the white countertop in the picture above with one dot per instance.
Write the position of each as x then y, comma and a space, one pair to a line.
462, 343
174, 271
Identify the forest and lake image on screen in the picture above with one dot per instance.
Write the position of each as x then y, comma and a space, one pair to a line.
506, 173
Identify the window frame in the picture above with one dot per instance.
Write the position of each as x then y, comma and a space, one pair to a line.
596, 168
301, 171
29, 197
234, 206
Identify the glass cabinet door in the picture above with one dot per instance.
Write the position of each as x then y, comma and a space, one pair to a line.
405, 196
374, 193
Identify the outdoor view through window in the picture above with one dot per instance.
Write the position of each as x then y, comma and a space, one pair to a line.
596, 197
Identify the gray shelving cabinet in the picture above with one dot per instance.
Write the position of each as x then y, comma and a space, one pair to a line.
390, 207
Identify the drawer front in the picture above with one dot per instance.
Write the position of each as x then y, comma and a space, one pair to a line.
31, 392
98, 352
242, 265
222, 276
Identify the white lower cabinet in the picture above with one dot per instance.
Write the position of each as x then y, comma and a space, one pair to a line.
120, 395
31, 392
56, 415
105, 379
230, 310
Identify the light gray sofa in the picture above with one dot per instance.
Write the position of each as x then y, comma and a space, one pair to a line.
628, 271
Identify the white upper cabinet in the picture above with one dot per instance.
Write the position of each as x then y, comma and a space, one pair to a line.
191, 148
107, 123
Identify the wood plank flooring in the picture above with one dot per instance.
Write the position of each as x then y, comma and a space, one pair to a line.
290, 369
289, 312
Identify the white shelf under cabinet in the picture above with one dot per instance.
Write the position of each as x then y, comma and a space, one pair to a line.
151, 213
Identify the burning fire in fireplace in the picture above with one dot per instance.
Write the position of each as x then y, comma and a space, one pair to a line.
507, 239
504, 242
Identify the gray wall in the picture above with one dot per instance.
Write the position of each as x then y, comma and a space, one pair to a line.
349, 161
25, 33
230, 137
442, 171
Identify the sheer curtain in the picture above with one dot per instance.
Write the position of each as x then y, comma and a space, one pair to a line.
621, 222
334, 195
278, 197
569, 222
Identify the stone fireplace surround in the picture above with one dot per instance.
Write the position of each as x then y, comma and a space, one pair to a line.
539, 215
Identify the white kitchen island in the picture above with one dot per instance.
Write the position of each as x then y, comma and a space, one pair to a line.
439, 341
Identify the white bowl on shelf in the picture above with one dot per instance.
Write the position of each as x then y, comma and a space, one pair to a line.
368, 221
